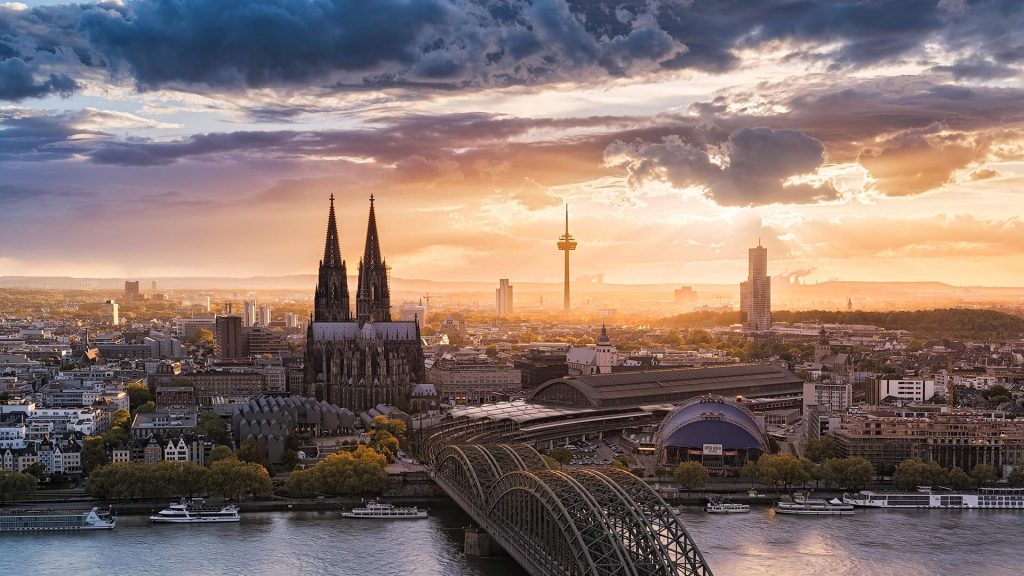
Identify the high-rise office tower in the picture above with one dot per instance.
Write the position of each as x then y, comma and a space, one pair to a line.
228, 342
566, 243
110, 310
131, 291
756, 292
503, 297
264, 319
249, 315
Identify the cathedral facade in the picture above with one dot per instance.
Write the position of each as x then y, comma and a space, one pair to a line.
362, 361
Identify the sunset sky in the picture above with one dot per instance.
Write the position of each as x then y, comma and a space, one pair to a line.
858, 140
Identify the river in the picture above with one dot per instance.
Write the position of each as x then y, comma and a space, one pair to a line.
874, 542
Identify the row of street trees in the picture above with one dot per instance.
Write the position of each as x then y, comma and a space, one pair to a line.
227, 477
786, 471
914, 472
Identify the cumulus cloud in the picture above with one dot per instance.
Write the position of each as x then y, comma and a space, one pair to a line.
751, 167
918, 160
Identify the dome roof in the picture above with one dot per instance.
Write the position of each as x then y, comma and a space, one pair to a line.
711, 420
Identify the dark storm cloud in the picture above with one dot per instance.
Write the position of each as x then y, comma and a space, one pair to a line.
977, 69
756, 163
17, 82
468, 44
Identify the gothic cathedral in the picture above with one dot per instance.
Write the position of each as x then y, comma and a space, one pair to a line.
362, 362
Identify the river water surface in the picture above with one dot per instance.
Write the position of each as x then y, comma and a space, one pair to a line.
874, 542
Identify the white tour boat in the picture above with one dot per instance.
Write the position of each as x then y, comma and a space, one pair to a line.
813, 507
195, 512
46, 520
925, 497
726, 508
383, 510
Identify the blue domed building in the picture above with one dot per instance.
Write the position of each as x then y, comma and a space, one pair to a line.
720, 433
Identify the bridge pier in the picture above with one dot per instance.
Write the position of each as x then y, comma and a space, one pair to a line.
478, 542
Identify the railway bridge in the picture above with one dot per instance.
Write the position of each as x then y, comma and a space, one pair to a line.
578, 522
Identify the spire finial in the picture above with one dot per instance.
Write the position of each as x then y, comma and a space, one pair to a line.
332, 199
371, 199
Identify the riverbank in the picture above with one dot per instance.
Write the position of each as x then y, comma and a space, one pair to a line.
335, 504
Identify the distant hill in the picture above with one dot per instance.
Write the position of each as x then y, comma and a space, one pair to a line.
956, 323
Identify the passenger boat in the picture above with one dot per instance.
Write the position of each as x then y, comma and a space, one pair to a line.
925, 497
383, 510
813, 507
45, 520
195, 511
726, 508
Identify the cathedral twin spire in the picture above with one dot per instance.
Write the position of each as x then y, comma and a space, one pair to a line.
373, 302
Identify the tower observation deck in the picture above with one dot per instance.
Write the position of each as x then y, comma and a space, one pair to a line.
566, 243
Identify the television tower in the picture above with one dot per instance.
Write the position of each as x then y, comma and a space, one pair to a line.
566, 243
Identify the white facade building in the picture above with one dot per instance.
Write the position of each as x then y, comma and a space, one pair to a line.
913, 389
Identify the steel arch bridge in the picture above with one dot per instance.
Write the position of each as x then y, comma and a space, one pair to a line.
566, 523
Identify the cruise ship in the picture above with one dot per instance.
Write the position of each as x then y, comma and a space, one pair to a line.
195, 512
383, 510
43, 520
814, 507
925, 497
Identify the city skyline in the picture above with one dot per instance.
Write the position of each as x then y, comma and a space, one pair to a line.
860, 141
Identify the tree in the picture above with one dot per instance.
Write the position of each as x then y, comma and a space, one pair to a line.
913, 472
356, 472
561, 455
138, 394
94, 453
814, 470
128, 480
214, 428
820, 449
1016, 477
36, 469
773, 444
203, 336
847, 473
985, 474
691, 475
289, 459
394, 426
16, 485
619, 464
233, 478
997, 394
551, 462
146, 407
781, 471
750, 472
220, 452
249, 452
957, 479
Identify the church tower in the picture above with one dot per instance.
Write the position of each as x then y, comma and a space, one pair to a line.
331, 302
373, 298
607, 355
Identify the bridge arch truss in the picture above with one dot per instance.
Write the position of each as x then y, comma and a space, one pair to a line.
567, 523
